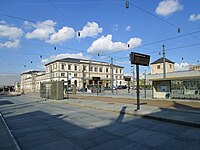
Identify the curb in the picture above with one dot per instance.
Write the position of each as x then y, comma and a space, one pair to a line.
13, 140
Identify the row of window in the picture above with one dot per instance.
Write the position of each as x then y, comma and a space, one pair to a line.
158, 66
92, 68
75, 75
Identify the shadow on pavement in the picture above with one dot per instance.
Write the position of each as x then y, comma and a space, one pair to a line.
182, 106
41, 130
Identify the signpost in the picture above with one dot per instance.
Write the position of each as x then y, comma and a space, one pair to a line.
139, 59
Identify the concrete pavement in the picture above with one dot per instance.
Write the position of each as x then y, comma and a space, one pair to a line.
7, 140
184, 117
88, 124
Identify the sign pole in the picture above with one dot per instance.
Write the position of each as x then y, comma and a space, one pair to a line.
97, 87
138, 88
139, 59
67, 85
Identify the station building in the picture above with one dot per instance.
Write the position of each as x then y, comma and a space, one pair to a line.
176, 84
78, 72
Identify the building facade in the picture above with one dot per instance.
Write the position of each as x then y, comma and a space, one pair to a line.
194, 67
79, 73
30, 81
157, 66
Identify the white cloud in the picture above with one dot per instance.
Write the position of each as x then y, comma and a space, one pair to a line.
10, 44
2, 22
167, 7
62, 35
181, 66
42, 31
10, 32
28, 25
128, 74
115, 27
123, 62
66, 55
194, 17
41, 67
128, 28
91, 29
105, 44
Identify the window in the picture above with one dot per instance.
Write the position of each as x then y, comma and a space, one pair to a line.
107, 76
75, 75
95, 69
120, 71
62, 66
69, 67
158, 66
100, 69
84, 68
62, 74
75, 67
116, 77
116, 70
55, 66
91, 68
106, 69
170, 66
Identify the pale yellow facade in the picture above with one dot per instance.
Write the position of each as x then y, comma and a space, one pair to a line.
73, 68
158, 68
195, 67
58, 70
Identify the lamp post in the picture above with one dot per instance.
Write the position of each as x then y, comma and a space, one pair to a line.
164, 68
111, 74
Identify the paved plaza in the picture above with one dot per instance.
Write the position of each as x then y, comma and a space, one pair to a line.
71, 125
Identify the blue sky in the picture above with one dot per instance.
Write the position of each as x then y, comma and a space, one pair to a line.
30, 29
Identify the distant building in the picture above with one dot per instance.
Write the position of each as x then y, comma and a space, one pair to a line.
194, 67
80, 73
81, 69
30, 81
157, 66
7, 81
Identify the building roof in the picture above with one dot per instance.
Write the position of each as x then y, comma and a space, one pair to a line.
31, 72
160, 60
76, 60
178, 75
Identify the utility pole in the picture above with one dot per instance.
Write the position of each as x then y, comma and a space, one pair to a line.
164, 68
67, 85
89, 68
145, 91
83, 78
111, 74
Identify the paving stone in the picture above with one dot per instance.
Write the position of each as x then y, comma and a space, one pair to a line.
136, 146
58, 145
148, 137
111, 145
192, 134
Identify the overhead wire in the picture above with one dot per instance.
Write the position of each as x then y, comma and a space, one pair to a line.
159, 18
